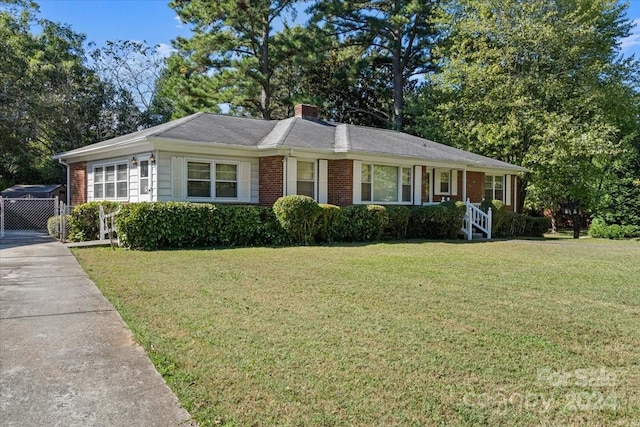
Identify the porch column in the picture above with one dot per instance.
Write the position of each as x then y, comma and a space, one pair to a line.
464, 185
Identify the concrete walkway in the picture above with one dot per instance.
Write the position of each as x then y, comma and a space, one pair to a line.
66, 356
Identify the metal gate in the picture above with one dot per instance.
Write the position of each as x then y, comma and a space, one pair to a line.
26, 214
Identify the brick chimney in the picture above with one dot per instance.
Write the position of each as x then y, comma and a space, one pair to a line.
306, 111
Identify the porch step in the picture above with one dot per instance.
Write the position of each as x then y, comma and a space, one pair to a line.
477, 236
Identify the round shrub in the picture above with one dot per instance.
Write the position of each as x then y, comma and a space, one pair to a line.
298, 217
53, 225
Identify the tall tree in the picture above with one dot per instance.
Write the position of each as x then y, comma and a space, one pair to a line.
50, 101
133, 69
531, 82
234, 53
395, 33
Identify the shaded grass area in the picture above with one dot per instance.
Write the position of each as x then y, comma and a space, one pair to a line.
416, 333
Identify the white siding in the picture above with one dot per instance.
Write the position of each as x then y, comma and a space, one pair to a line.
454, 183
292, 174
417, 185
163, 172
133, 183
357, 182
323, 181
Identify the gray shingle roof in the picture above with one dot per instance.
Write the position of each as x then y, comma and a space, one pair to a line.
298, 132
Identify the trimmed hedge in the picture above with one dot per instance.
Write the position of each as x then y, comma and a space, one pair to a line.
85, 220
293, 219
599, 228
329, 220
166, 225
398, 221
442, 221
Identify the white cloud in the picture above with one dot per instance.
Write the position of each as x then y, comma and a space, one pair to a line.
164, 50
634, 38
179, 24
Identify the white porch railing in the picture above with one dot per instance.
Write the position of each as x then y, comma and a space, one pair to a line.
474, 217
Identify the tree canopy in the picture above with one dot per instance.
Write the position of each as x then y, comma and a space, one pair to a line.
536, 83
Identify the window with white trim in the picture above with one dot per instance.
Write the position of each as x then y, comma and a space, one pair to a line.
445, 182
202, 185
226, 181
406, 184
111, 181
305, 177
494, 187
385, 184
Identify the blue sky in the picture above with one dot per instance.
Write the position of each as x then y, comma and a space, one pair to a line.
155, 22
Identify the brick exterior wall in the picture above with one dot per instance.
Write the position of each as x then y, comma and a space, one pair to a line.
271, 179
475, 186
340, 192
78, 188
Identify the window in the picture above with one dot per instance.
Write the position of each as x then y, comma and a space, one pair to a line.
201, 185
306, 178
406, 184
385, 184
111, 181
226, 180
445, 182
366, 183
493, 187
198, 179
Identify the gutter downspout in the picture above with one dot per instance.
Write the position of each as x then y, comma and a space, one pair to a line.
66, 165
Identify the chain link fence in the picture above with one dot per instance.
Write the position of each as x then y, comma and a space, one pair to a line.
26, 214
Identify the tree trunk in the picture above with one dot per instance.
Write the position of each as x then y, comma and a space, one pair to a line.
398, 76
522, 194
265, 99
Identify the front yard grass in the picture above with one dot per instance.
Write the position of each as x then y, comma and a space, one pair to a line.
415, 333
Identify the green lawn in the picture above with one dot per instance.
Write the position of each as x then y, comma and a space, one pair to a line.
416, 333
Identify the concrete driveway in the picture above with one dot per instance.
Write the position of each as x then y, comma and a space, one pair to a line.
66, 356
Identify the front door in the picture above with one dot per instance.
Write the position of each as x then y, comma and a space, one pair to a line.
144, 183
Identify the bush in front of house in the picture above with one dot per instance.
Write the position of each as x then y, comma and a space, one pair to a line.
329, 223
53, 226
442, 221
168, 225
506, 223
599, 228
245, 225
84, 223
298, 215
159, 225
536, 226
398, 221
361, 223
